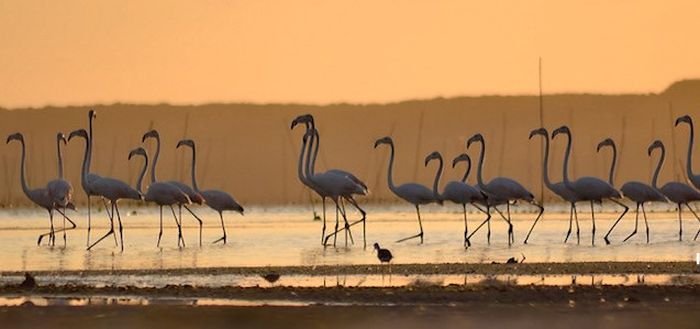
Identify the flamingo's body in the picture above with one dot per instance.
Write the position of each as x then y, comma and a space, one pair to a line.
218, 200
459, 191
59, 189
169, 193
633, 190
502, 190
110, 189
590, 189
86, 181
558, 188
39, 196
694, 179
336, 184
413, 193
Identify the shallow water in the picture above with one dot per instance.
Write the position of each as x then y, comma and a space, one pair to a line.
288, 236
355, 280
143, 301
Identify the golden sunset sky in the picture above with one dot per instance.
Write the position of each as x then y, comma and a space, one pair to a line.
75, 52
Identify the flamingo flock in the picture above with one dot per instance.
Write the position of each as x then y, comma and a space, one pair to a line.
342, 187
57, 195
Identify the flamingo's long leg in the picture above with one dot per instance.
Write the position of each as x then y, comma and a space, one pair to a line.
347, 225
571, 221
160, 232
578, 230
593, 220
636, 222
536, 219
111, 218
72, 223
51, 229
121, 229
645, 222
323, 229
223, 228
198, 220
488, 219
617, 221
89, 226
696, 217
111, 230
337, 209
680, 224
179, 228
511, 236
466, 226
362, 220
420, 225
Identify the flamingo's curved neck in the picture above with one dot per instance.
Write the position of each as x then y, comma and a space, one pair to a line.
143, 173
307, 168
469, 168
545, 169
89, 145
689, 163
479, 178
194, 169
313, 160
23, 178
60, 158
567, 182
612, 166
436, 182
658, 167
86, 164
300, 171
155, 160
390, 174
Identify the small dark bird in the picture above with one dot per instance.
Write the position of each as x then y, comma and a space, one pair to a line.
271, 277
28, 282
384, 255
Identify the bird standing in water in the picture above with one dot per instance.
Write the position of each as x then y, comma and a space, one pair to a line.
385, 257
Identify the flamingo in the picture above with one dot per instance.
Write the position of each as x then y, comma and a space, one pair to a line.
502, 190
676, 192
162, 194
87, 180
302, 177
305, 181
306, 119
39, 196
636, 191
558, 188
588, 188
60, 190
336, 186
220, 201
694, 179
108, 188
348, 184
191, 194
459, 191
414, 193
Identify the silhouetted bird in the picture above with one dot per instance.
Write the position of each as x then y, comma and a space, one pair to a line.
384, 255
28, 282
271, 277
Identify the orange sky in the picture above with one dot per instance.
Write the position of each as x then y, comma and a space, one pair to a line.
84, 51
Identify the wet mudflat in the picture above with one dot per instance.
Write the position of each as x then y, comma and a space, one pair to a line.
410, 307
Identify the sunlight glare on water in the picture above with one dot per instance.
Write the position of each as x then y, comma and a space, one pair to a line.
287, 236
